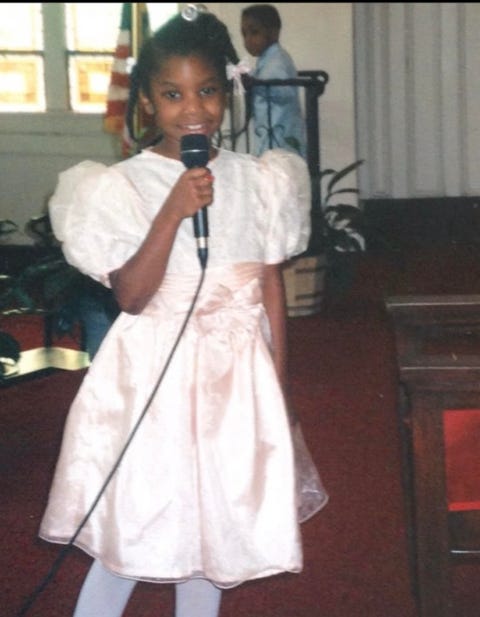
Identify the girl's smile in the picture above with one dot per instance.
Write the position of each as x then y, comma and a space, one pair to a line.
186, 96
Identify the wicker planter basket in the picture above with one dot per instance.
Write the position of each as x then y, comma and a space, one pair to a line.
304, 285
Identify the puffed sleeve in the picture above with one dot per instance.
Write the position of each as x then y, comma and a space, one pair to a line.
95, 214
287, 194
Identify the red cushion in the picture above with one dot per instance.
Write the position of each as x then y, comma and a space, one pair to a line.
462, 458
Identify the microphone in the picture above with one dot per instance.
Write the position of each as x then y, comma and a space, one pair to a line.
194, 150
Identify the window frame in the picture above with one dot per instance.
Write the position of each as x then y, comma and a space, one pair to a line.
56, 68
57, 116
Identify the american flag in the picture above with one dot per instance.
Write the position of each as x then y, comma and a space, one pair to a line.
134, 28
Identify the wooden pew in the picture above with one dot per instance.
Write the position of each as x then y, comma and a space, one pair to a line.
438, 356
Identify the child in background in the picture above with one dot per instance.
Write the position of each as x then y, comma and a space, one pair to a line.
261, 25
215, 481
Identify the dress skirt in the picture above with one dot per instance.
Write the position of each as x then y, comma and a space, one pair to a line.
207, 483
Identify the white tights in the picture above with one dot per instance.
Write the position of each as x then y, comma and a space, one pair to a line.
104, 594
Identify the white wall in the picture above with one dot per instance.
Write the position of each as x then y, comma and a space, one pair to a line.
35, 148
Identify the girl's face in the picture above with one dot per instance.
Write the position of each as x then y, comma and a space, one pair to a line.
187, 96
256, 37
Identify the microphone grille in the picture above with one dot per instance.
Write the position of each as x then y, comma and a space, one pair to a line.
194, 150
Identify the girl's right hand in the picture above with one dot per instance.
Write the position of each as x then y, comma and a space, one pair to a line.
139, 278
192, 191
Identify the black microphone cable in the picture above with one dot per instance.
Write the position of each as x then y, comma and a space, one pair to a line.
66, 549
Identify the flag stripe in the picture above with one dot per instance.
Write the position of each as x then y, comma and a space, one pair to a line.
122, 52
118, 81
119, 88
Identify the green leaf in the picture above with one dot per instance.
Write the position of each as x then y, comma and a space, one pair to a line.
326, 172
7, 227
23, 298
342, 173
9, 347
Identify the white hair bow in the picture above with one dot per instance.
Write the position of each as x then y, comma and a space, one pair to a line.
235, 72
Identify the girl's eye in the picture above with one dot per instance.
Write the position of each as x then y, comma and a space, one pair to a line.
209, 90
171, 94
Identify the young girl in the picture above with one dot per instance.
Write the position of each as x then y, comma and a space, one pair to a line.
206, 495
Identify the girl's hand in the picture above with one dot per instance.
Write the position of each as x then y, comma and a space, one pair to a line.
192, 191
139, 278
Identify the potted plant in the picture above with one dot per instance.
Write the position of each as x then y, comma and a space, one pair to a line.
343, 223
337, 231
9, 347
344, 230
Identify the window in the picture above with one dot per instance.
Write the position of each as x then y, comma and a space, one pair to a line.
58, 56
21, 57
91, 30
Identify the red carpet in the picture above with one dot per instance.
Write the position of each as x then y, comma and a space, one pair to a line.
344, 387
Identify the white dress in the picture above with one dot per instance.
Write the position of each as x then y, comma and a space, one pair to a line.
208, 485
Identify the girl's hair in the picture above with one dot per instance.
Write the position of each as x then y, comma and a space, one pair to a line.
266, 15
204, 36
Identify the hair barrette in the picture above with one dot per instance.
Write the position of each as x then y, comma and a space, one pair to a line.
191, 11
